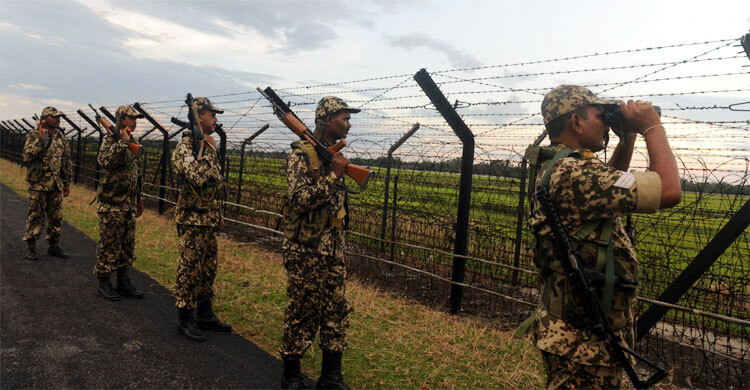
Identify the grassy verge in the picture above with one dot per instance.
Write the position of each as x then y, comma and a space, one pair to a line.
393, 343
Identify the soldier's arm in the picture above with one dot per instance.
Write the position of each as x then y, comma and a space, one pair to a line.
595, 190
112, 154
623, 152
197, 172
33, 147
304, 193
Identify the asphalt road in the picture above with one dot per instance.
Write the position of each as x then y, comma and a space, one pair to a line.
55, 332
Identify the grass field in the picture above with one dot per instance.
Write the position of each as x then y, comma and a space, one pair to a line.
394, 343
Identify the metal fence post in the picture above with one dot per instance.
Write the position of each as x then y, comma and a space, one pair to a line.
101, 137
519, 222
388, 163
393, 220
464, 193
246, 142
164, 154
78, 148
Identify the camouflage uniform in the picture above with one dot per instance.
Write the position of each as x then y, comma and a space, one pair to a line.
117, 198
315, 219
198, 218
48, 173
585, 189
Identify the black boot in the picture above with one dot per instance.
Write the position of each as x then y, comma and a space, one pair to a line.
207, 320
55, 250
31, 250
330, 373
123, 284
292, 376
106, 289
187, 326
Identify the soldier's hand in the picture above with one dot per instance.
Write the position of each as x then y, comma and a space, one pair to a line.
339, 164
639, 115
125, 133
66, 191
41, 131
139, 209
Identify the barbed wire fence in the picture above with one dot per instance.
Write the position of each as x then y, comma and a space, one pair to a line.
404, 237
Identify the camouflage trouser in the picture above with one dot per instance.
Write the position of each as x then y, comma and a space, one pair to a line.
562, 373
197, 268
316, 296
116, 242
41, 203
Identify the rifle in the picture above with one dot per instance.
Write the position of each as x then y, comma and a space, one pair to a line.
115, 132
360, 174
193, 125
595, 319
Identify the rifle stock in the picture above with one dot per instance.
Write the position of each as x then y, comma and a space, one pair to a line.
361, 175
115, 132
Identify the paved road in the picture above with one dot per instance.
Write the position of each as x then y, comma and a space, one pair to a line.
55, 332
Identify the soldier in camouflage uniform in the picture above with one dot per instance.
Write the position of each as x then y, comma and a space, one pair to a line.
198, 215
47, 157
590, 197
118, 205
314, 219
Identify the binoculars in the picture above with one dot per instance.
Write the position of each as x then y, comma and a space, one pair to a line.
612, 117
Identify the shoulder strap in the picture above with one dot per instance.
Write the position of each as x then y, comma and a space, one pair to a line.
312, 158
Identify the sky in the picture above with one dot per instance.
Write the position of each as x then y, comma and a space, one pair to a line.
69, 53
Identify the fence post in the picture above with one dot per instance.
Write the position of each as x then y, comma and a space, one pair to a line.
702, 262
519, 221
389, 162
101, 137
164, 153
78, 148
464, 193
393, 220
246, 142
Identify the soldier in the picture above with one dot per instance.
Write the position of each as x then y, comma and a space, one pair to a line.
315, 216
590, 197
198, 215
119, 204
47, 156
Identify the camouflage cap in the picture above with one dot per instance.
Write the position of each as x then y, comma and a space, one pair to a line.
51, 111
204, 103
566, 98
330, 105
127, 110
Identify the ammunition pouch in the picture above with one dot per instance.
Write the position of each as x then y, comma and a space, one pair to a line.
307, 228
115, 188
34, 171
200, 200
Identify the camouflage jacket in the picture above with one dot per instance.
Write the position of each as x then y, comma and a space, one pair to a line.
117, 163
326, 194
583, 190
197, 175
48, 160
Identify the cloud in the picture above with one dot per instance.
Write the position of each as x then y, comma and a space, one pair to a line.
456, 57
28, 86
6, 26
